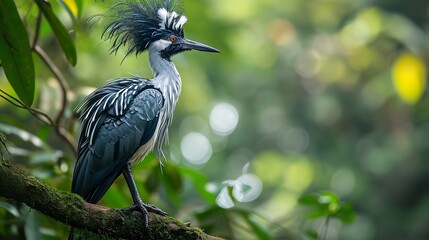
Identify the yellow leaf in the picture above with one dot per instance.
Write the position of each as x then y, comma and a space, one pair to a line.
409, 77
71, 4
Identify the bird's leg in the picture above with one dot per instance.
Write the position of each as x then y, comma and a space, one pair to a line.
138, 203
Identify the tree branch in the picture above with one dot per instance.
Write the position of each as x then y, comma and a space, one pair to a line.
72, 210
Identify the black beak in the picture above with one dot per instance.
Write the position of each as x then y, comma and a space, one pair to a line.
187, 44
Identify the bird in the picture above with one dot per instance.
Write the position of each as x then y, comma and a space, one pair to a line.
124, 120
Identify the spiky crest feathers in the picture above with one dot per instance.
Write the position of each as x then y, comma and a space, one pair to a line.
171, 20
138, 23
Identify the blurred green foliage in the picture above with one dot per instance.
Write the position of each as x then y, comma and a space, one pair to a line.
15, 53
313, 107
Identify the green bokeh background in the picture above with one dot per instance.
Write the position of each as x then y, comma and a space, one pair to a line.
313, 84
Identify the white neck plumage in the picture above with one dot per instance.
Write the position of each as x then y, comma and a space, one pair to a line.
166, 79
166, 76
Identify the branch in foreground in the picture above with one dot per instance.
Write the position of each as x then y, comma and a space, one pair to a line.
72, 210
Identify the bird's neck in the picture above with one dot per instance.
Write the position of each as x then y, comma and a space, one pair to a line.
165, 72
161, 65
166, 77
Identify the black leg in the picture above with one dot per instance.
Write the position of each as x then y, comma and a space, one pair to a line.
138, 203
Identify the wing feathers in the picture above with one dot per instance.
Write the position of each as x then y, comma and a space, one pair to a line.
117, 119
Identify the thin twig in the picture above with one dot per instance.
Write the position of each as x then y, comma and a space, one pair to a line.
324, 232
63, 86
37, 29
36, 112
59, 76
17, 103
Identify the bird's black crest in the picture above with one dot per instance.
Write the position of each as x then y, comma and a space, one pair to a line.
138, 23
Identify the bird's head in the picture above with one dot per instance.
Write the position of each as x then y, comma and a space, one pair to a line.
149, 24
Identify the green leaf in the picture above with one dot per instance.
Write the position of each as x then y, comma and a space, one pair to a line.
59, 30
328, 198
346, 213
24, 135
318, 214
309, 199
44, 157
312, 234
10, 208
327, 204
15, 53
258, 229
79, 4
44, 132
32, 226
330, 201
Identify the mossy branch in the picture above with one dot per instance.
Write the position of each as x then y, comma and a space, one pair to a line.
72, 210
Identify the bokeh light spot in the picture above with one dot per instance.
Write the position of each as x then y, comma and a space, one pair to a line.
281, 32
298, 175
343, 182
272, 119
196, 148
280, 203
326, 110
294, 139
409, 77
270, 162
224, 119
308, 64
211, 187
64, 167
364, 28
334, 70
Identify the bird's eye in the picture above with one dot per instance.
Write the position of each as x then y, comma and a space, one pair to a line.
173, 39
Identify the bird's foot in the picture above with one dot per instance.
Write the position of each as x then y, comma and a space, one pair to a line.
145, 209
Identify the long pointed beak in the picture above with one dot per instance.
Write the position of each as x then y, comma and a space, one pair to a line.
193, 45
